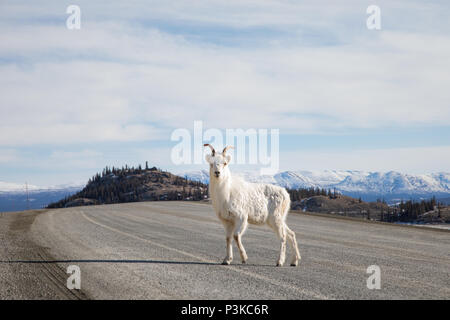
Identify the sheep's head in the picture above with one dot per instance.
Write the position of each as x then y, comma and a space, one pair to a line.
218, 162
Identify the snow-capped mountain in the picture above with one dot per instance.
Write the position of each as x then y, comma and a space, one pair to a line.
14, 196
396, 183
201, 176
390, 185
9, 187
15, 187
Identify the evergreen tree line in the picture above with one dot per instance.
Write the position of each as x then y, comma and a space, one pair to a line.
302, 193
411, 210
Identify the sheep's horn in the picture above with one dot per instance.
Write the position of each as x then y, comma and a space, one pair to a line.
226, 148
212, 149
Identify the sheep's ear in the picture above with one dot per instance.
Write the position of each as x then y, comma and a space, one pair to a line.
208, 158
227, 159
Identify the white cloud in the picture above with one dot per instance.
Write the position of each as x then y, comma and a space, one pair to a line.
75, 159
136, 71
172, 82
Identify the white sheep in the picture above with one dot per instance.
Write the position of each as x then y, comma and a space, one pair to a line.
237, 203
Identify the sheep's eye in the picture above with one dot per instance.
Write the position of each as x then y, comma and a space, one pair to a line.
224, 164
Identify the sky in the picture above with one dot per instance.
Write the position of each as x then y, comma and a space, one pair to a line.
113, 92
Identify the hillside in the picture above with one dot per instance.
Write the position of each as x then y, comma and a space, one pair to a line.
134, 184
342, 205
423, 212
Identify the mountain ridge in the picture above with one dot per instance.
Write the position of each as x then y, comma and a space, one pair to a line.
370, 185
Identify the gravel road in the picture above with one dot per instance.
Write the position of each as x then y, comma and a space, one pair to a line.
173, 250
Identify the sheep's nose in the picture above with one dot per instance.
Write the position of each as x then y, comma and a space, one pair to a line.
217, 173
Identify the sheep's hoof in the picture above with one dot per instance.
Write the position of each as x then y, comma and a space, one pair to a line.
226, 263
244, 261
279, 264
294, 264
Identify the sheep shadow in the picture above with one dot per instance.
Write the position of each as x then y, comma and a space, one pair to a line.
132, 262
107, 261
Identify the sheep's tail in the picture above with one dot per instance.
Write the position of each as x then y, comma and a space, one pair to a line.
286, 204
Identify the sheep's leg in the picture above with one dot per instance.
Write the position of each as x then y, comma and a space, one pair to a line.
281, 231
229, 228
241, 227
296, 256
